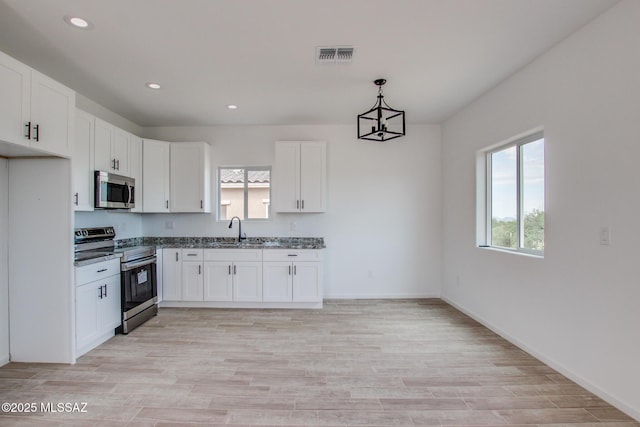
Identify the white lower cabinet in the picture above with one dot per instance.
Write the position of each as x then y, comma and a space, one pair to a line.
218, 281
292, 275
242, 277
192, 275
159, 261
171, 274
233, 275
98, 305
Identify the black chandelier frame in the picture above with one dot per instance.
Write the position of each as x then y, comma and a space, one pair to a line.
374, 124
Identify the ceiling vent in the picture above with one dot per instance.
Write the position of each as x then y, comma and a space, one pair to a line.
333, 55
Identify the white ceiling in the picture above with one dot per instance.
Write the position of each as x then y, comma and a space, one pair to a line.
437, 55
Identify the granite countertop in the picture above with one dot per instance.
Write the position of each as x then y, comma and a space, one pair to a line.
227, 242
211, 243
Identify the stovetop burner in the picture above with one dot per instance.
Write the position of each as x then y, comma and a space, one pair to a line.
96, 242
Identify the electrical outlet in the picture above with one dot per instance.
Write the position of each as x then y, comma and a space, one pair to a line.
605, 235
170, 225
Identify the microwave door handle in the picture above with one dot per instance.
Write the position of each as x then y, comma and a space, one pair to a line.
127, 194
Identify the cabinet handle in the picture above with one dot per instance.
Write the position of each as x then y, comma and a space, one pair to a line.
118, 164
102, 270
289, 270
28, 126
199, 269
295, 270
176, 256
229, 269
292, 255
167, 204
113, 164
234, 270
201, 206
37, 129
192, 254
100, 292
105, 291
303, 204
297, 204
76, 196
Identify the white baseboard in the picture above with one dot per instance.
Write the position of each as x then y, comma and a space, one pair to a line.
4, 360
624, 407
380, 296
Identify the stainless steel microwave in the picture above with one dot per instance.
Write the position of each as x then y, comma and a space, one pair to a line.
114, 191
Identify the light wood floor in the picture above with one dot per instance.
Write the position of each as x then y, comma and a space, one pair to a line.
361, 363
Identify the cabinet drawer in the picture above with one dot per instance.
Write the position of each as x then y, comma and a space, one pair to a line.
97, 271
233, 255
292, 255
192, 254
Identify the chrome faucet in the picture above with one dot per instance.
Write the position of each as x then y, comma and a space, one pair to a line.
240, 236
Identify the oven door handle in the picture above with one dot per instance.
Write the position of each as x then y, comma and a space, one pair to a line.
135, 264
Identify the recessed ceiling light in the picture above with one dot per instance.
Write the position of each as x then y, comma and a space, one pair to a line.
232, 107
152, 85
78, 22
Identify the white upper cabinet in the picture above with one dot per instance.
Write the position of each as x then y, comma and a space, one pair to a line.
300, 176
83, 162
135, 169
190, 177
176, 176
155, 175
35, 111
112, 149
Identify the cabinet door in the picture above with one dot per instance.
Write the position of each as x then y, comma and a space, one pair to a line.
277, 281
307, 281
83, 162
313, 177
109, 307
104, 134
247, 281
135, 169
190, 177
15, 85
87, 297
155, 176
159, 270
286, 177
52, 111
192, 281
171, 274
218, 281
120, 151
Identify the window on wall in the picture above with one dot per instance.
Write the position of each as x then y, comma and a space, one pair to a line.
244, 192
515, 195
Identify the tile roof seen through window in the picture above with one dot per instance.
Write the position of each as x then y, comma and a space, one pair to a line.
237, 175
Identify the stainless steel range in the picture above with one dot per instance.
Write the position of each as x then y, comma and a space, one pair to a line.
138, 275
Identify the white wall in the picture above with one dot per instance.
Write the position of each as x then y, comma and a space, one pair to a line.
371, 251
126, 225
577, 308
107, 115
41, 293
4, 267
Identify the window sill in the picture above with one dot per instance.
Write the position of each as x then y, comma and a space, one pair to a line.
511, 251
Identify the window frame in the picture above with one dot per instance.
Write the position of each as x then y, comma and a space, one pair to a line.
245, 192
485, 208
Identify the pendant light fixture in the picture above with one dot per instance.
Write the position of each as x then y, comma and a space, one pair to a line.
381, 123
